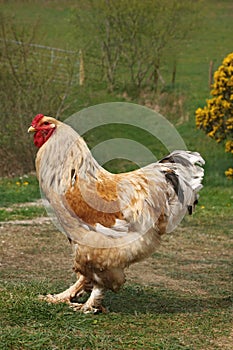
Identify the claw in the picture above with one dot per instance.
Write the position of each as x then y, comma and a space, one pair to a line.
93, 310
52, 298
76, 306
86, 309
67, 295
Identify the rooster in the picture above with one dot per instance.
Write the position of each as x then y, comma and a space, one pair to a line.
111, 220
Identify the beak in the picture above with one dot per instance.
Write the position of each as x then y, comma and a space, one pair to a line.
31, 129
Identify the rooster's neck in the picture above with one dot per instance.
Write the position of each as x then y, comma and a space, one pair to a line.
65, 154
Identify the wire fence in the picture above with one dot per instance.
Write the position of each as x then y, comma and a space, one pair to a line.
65, 62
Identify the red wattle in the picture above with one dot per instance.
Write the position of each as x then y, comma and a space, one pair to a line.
41, 136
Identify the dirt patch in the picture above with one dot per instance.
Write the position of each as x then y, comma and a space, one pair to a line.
224, 342
144, 273
35, 221
34, 249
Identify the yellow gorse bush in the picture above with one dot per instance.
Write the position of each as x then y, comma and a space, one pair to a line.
216, 118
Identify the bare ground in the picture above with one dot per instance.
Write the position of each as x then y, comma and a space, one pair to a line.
193, 263
35, 249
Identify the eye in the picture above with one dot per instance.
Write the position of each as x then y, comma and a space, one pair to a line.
46, 123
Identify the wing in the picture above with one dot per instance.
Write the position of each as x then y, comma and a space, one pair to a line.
129, 211
136, 202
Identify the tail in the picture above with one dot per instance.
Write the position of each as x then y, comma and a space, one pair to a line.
188, 166
183, 169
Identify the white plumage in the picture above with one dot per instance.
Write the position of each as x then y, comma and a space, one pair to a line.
112, 220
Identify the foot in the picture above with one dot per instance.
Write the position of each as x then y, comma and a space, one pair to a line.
87, 309
56, 298
68, 294
93, 304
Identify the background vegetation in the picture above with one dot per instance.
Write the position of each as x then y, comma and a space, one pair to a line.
30, 82
131, 40
216, 119
208, 40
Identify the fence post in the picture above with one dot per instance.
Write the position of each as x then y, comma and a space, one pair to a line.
211, 66
52, 56
81, 69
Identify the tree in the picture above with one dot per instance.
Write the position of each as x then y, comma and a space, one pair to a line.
216, 118
127, 39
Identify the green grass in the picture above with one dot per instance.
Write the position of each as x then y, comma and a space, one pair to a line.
189, 309
180, 298
171, 326
209, 42
21, 213
18, 190
15, 194
53, 18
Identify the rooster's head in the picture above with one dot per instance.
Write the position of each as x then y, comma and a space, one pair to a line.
43, 127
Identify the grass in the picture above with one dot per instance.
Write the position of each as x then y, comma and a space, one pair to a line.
18, 190
66, 330
53, 18
21, 213
15, 195
180, 298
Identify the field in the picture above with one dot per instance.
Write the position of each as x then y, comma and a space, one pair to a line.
178, 299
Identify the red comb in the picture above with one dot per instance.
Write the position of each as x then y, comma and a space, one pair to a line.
37, 118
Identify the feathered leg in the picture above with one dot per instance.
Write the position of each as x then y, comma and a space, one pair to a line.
68, 294
93, 304
108, 279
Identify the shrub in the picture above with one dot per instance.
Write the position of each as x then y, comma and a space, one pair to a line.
216, 118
